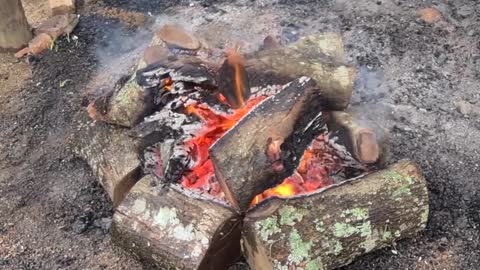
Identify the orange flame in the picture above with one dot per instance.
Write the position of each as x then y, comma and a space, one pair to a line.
202, 175
312, 173
236, 60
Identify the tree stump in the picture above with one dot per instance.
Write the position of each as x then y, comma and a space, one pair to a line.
14, 29
332, 227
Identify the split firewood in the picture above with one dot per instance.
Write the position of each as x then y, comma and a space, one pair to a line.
175, 229
280, 65
365, 140
112, 155
243, 162
332, 227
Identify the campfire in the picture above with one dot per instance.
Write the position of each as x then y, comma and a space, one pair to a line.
252, 155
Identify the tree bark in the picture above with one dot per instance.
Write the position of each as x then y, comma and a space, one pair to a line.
172, 229
332, 227
112, 155
318, 56
14, 29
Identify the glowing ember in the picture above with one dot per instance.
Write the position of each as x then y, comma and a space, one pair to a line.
313, 172
215, 125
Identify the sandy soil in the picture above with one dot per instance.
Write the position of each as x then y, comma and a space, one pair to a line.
419, 79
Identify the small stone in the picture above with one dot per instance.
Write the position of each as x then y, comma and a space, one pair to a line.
464, 107
175, 36
465, 11
103, 223
79, 226
429, 15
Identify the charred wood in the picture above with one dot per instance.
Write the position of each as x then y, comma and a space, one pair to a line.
242, 165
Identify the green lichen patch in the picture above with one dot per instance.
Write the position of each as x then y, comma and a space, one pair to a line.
267, 228
338, 248
289, 215
344, 230
314, 265
357, 213
299, 249
424, 216
319, 225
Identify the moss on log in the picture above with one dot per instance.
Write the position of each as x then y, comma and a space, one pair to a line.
173, 230
332, 227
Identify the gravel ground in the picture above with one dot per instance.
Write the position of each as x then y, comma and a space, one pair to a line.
419, 79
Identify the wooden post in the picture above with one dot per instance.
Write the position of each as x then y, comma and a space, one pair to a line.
14, 29
332, 227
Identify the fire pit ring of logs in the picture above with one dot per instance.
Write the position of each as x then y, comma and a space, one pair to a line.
211, 159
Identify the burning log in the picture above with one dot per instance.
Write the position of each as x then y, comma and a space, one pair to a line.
126, 105
243, 161
330, 228
176, 230
112, 155
367, 142
281, 65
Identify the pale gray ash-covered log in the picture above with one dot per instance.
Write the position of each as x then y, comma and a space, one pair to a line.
198, 151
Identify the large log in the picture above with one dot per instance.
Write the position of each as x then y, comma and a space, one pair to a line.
364, 139
332, 227
171, 229
243, 166
313, 57
14, 29
112, 155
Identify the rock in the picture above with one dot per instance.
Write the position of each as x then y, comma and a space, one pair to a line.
103, 223
60, 7
429, 15
79, 226
176, 37
465, 11
58, 25
464, 107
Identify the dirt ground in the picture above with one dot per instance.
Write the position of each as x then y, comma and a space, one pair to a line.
420, 79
